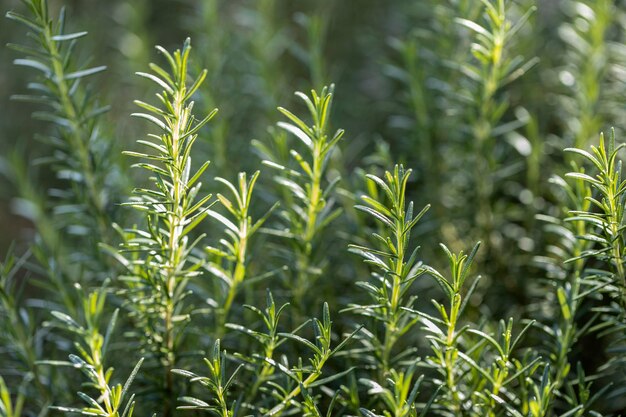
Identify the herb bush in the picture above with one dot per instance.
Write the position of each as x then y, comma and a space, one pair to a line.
282, 277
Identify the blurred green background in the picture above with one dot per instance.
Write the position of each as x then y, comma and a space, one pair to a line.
404, 93
258, 53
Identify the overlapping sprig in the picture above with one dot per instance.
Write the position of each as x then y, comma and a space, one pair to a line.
276, 388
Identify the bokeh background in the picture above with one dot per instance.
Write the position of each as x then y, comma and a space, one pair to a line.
405, 93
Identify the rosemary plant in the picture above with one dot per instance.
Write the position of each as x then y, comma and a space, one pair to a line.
18, 334
604, 219
293, 392
309, 209
81, 155
585, 71
566, 267
222, 295
397, 263
235, 251
92, 346
66, 250
474, 364
495, 67
392, 307
160, 260
610, 187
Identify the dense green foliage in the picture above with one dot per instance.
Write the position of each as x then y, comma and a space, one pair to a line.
306, 270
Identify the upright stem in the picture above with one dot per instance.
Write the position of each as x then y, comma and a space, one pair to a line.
451, 354
239, 273
616, 244
77, 134
173, 212
304, 255
391, 329
176, 247
568, 324
315, 195
589, 85
485, 164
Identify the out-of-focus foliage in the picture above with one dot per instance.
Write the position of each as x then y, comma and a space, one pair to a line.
297, 273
